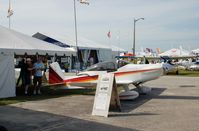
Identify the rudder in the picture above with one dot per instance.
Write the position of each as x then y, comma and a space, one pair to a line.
55, 74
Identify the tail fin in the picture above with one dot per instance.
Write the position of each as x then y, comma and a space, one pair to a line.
55, 74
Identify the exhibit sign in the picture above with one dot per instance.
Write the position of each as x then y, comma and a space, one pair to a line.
106, 95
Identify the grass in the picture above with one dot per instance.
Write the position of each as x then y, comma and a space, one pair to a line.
189, 73
47, 93
186, 73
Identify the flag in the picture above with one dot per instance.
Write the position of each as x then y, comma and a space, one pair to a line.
10, 11
109, 34
84, 2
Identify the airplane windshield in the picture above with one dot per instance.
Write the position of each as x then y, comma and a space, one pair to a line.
121, 63
108, 66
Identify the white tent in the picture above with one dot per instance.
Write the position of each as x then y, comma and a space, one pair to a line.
175, 53
196, 51
85, 45
7, 77
12, 41
116, 51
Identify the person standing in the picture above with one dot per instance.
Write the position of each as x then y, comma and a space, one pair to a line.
145, 60
27, 74
91, 60
22, 72
37, 81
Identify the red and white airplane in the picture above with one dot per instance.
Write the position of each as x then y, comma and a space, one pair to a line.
125, 74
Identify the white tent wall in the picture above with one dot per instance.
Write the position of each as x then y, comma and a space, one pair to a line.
105, 55
85, 55
7, 77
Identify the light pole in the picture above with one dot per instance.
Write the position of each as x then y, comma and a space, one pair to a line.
135, 20
75, 19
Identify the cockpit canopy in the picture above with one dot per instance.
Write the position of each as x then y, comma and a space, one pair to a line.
108, 66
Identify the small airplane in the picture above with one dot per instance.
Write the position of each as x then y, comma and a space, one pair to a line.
168, 66
124, 72
192, 65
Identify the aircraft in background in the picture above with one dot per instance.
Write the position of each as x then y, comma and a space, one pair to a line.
125, 75
168, 66
181, 63
191, 65
167, 62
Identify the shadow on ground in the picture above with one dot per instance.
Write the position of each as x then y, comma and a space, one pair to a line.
18, 119
47, 93
129, 106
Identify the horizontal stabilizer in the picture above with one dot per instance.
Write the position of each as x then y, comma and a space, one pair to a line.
71, 87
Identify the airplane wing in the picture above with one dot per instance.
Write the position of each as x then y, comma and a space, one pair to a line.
63, 86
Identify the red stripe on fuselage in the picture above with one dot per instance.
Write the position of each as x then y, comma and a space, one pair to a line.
132, 72
82, 79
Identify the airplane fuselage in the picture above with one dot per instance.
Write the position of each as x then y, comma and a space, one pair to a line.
127, 74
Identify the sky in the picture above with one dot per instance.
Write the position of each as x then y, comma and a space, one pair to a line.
167, 23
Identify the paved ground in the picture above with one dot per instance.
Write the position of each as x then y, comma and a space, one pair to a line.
173, 104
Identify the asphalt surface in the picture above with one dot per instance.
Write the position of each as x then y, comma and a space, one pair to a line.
173, 104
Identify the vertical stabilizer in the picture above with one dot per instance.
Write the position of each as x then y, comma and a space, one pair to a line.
55, 73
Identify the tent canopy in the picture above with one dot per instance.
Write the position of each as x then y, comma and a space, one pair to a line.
13, 41
83, 43
175, 52
104, 52
196, 50
115, 48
